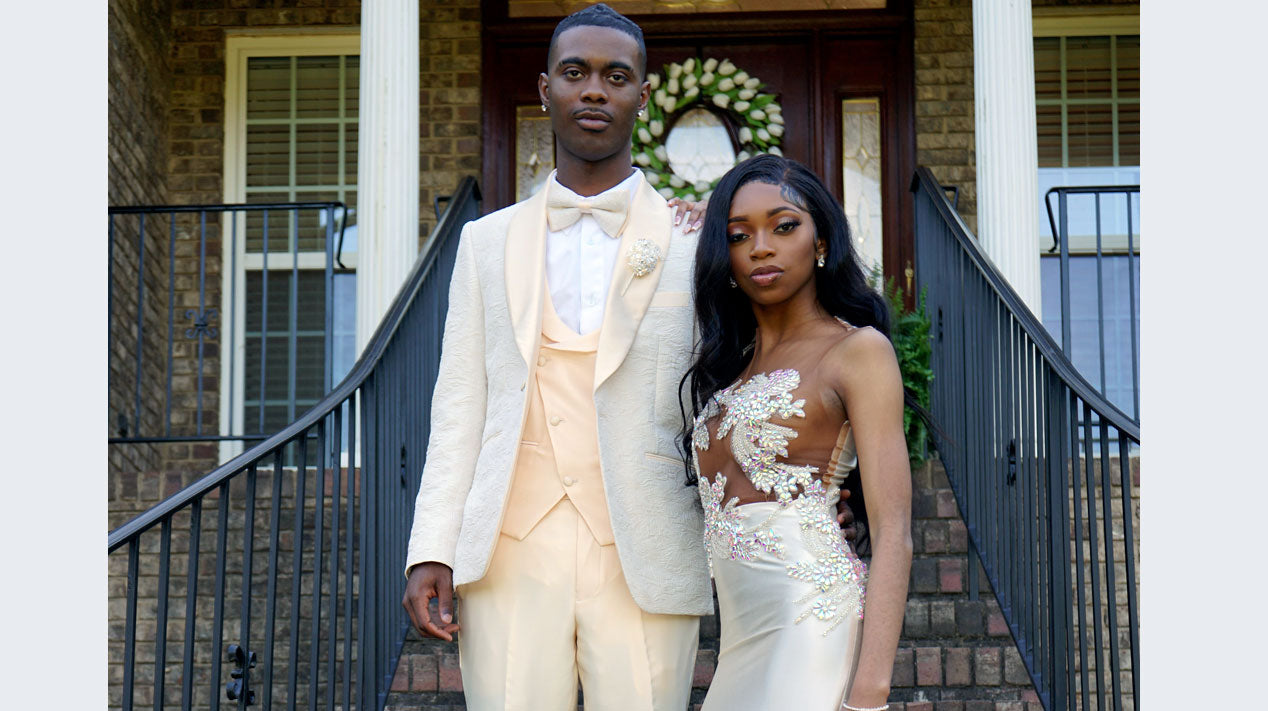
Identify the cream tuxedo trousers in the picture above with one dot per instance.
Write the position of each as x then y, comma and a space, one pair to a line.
554, 608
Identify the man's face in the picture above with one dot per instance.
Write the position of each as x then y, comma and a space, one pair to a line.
594, 91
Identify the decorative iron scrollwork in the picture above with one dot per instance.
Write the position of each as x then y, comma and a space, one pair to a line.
239, 686
202, 323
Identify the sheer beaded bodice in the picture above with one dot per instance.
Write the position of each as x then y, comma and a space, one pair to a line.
756, 444
822, 557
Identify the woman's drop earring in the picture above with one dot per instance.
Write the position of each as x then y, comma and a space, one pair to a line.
545, 108
732, 280
820, 260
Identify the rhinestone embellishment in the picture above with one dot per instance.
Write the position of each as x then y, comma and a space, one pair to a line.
724, 533
757, 441
643, 257
837, 577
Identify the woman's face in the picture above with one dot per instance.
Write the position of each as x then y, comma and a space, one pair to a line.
772, 243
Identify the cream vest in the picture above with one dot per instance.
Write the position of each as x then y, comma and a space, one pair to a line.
559, 448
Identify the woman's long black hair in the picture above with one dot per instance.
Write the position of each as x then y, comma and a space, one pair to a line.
724, 315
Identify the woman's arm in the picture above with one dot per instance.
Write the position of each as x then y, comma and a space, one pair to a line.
871, 388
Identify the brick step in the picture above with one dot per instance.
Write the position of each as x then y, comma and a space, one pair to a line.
955, 654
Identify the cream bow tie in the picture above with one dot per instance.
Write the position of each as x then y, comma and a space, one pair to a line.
608, 209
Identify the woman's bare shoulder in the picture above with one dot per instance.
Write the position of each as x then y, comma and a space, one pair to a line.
861, 354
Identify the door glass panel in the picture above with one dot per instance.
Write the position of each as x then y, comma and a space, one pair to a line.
699, 147
534, 150
861, 176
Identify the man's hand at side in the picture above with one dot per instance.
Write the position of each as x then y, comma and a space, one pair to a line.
845, 518
427, 581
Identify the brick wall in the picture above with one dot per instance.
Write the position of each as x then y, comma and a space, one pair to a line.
176, 52
449, 100
944, 97
139, 72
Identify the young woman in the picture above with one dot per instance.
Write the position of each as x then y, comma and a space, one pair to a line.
795, 384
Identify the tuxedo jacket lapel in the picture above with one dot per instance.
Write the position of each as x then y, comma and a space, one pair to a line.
525, 272
628, 295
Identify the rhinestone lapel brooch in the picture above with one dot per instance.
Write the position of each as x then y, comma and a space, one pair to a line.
643, 257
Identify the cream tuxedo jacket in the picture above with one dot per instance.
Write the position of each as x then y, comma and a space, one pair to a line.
492, 336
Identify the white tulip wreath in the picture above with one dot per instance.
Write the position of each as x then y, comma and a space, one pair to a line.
756, 115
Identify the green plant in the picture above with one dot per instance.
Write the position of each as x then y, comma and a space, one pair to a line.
909, 332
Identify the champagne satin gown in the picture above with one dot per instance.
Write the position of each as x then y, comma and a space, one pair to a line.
790, 590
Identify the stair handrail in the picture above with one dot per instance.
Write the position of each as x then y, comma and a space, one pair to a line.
364, 366
1030, 451
924, 180
354, 461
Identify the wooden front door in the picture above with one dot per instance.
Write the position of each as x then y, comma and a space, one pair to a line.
845, 80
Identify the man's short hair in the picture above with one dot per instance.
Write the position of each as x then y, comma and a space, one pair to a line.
600, 15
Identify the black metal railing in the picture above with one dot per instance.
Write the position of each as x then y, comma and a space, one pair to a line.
173, 323
1042, 470
1093, 241
278, 585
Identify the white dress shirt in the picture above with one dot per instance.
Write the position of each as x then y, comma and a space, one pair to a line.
580, 260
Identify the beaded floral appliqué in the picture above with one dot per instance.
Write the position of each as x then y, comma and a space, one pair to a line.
724, 533
757, 441
837, 575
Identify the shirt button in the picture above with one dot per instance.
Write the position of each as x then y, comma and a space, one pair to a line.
555, 420
569, 481
541, 360
592, 300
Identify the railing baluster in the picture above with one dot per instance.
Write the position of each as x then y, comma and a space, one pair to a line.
1058, 545
1081, 460
129, 630
1111, 599
1133, 320
1100, 294
297, 576
328, 338
319, 514
191, 597
1066, 339
228, 343
218, 610
1094, 554
264, 320
292, 324
355, 479
171, 317
365, 639
160, 620
248, 548
1129, 557
140, 325
270, 612
336, 431
201, 317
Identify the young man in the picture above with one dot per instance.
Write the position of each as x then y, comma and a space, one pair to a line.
553, 498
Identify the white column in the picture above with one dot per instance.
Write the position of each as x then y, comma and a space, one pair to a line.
387, 168
1007, 158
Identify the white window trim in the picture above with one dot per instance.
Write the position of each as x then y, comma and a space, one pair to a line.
239, 48
1085, 21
